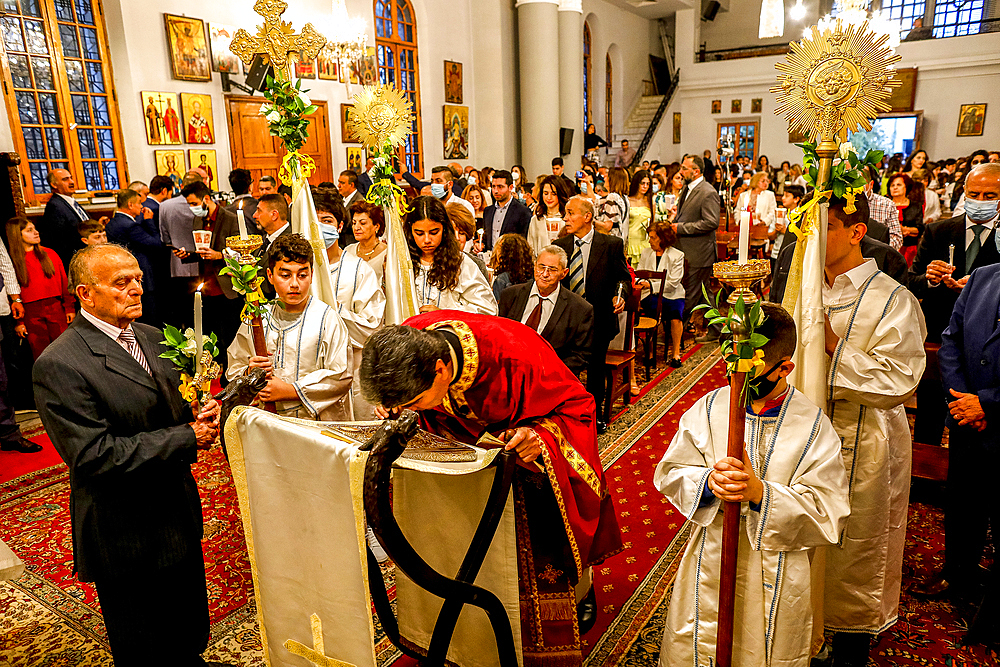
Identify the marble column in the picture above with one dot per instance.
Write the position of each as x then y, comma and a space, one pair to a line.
571, 78
538, 62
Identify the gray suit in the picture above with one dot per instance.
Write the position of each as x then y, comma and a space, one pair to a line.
696, 222
176, 225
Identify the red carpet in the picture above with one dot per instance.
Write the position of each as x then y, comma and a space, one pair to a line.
14, 465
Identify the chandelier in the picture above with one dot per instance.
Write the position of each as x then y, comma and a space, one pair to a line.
347, 39
855, 12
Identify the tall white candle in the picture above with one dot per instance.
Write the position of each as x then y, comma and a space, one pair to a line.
242, 221
744, 251
198, 337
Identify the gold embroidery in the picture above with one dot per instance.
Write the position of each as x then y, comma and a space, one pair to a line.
317, 654
582, 468
454, 401
557, 492
550, 574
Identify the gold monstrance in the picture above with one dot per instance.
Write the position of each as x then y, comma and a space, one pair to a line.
277, 41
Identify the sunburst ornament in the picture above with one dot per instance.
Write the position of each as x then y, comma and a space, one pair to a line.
382, 117
836, 80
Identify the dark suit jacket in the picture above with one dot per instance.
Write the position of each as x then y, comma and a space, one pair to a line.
364, 182
57, 228
696, 222
877, 231
134, 504
606, 270
937, 302
569, 329
890, 262
249, 208
970, 348
516, 221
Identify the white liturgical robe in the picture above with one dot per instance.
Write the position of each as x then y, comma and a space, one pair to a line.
875, 368
361, 304
310, 350
472, 295
796, 454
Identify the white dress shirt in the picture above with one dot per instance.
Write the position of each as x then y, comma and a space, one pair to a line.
548, 305
983, 235
76, 206
113, 332
271, 238
845, 286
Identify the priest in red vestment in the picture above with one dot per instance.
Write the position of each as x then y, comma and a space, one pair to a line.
466, 374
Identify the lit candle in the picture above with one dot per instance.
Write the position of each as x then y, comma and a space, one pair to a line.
198, 338
951, 255
242, 221
744, 237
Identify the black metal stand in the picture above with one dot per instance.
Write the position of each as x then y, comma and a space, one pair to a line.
386, 446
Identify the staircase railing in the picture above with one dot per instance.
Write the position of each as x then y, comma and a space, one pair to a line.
655, 123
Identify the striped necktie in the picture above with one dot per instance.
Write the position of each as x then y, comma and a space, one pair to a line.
576, 269
80, 211
127, 340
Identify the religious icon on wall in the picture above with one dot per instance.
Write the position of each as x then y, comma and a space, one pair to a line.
199, 126
326, 65
204, 158
452, 82
189, 56
756, 104
736, 106
355, 160
346, 110
163, 127
369, 68
677, 127
305, 70
219, 38
456, 132
971, 120
716, 106
170, 163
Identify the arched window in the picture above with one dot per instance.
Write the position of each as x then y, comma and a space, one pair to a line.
608, 99
958, 17
587, 76
396, 48
904, 11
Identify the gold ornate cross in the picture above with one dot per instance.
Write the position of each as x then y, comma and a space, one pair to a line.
317, 654
277, 40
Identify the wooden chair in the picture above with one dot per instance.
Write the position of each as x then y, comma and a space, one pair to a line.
930, 460
618, 364
647, 328
758, 241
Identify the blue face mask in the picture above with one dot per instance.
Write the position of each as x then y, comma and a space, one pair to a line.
438, 190
980, 211
330, 234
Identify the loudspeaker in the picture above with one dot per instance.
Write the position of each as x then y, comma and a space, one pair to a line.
711, 9
259, 71
565, 140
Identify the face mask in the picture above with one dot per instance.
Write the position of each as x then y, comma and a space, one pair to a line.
980, 211
761, 386
438, 190
656, 187
330, 234
517, 177
473, 179
200, 211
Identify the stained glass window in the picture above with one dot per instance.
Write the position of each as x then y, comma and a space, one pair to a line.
396, 53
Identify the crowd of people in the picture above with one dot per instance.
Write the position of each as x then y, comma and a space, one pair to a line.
560, 256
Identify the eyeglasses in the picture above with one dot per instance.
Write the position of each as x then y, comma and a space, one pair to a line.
545, 270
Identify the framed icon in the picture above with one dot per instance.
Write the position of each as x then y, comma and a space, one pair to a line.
716, 106
162, 123
736, 106
756, 104
189, 55
170, 163
199, 125
219, 38
204, 158
452, 82
456, 132
971, 119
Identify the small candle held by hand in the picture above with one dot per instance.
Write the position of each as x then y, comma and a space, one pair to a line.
951, 255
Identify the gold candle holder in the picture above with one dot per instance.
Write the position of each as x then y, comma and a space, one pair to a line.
741, 277
246, 247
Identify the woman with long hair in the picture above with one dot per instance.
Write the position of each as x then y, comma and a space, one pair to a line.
512, 263
640, 200
612, 210
48, 305
521, 185
591, 142
474, 195
368, 225
549, 211
663, 256
445, 277
909, 200
916, 160
764, 165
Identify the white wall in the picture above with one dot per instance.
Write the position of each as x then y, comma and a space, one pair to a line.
952, 72
739, 27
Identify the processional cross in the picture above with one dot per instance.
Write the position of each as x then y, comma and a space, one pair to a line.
317, 654
277, 40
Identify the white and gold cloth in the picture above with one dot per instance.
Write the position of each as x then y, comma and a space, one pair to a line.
11, 566
300, 495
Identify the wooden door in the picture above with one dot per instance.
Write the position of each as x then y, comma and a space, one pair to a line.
253, 148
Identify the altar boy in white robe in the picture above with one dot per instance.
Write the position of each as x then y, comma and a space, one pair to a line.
793, 489
308, 343
875, 345
360, 299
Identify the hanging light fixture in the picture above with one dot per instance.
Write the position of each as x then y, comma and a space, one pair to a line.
347, 40
798, 11
855, 12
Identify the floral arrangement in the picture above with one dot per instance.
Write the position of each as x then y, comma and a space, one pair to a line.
181, 350
286, 111
847, 177
745, 354
246, 281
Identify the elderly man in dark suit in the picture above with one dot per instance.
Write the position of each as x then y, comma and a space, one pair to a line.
506, 215
599, 273
563, 318
57, 226
111, 406
696, 221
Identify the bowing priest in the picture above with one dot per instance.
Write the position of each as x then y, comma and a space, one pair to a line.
875, 345
309, 374
461, 374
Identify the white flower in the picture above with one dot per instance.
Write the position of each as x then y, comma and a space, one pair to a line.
273, 116
846, 148
304, 98
265, 109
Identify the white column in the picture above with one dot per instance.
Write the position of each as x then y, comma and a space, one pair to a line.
538, 61
571, 77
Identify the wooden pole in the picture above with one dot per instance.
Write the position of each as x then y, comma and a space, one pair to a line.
731, 524
260, 349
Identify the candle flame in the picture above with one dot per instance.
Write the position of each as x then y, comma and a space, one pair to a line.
199, 287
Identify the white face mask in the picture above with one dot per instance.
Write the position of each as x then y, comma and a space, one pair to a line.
473, 180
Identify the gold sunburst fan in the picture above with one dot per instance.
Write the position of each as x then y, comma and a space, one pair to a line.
835, 81
382, 116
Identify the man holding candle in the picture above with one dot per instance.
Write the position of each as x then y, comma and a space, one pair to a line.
111, 406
